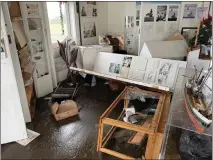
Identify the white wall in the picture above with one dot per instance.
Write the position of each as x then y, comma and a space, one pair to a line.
111, 17
102, 19
116, 17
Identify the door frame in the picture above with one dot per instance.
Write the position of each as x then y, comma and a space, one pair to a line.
15, 62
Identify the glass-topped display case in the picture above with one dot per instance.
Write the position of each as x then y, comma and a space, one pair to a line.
178, 117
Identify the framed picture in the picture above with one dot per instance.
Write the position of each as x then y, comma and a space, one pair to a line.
188, 33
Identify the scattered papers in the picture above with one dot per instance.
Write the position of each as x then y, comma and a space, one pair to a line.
31, 136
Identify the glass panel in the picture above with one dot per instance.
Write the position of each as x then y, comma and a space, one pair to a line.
178, 115
57, 21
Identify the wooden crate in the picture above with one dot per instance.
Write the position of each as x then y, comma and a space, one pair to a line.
154, 130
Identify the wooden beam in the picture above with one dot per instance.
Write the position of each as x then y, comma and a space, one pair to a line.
135, 89
100, 135
128, 126
164, 115
116, 154
111, 131
126, 103
137, 137
154, 142
150, 146
113, 105
157, 146
156, 118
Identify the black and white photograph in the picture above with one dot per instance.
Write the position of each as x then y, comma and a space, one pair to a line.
173, 13
129, 21
127, 61
91, 2
189, 11
34, 23
138, 15
137, 23
32, 6
89, 30
125, 66
114, 68
161, 13
94, 12
83, 11
149, 15
37, 46
150, 76
32, 10
166, 73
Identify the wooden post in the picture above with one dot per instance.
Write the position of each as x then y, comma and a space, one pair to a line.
198, 29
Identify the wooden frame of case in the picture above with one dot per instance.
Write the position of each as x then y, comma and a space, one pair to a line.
155, 131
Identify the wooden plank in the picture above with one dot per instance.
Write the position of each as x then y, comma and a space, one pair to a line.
126, 103
156, 118
32, 107
154, 142
157, 146
116, 154
150, 147
129, 126
164, 115
29, 91
135, 89
111, 131
144, 84
100, 135
113, 105
138, 136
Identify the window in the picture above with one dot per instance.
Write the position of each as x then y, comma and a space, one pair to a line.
57, 20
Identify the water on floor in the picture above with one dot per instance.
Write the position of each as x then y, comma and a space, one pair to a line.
72, 138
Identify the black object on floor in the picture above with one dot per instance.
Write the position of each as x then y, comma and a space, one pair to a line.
195, 146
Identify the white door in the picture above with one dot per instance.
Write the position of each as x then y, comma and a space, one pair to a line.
13, 126
35, 29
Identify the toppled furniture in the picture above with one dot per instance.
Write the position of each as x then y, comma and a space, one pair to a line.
151, 127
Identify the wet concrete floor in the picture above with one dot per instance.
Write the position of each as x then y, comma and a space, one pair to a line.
73, 138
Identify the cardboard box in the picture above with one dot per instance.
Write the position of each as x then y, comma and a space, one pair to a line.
64, 110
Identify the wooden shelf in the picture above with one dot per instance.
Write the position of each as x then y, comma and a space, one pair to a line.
31, 99
14, 19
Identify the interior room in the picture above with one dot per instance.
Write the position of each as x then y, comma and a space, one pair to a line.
106, 80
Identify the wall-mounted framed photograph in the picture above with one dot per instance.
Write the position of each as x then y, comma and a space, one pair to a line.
188, 33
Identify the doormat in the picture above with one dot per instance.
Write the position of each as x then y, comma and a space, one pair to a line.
31, 136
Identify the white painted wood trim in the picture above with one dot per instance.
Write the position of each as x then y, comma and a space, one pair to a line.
48, 83
16, 64
49, 46
121, 79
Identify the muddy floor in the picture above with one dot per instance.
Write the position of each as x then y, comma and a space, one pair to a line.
73, 138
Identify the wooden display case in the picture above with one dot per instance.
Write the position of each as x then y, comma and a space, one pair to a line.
154, 130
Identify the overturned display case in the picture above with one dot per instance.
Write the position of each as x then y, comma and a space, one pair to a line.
129, 132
